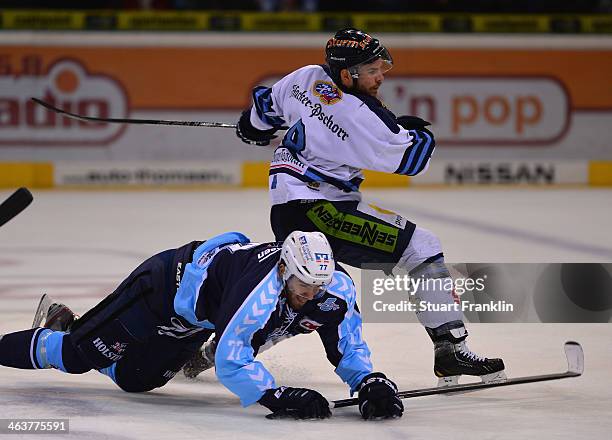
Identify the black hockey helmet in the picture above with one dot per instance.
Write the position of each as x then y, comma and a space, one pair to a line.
349, 48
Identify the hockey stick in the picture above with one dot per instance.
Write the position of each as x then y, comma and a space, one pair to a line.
17, 202
575, 366
131, 121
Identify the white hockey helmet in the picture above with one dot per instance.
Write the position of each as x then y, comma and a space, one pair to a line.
308, 256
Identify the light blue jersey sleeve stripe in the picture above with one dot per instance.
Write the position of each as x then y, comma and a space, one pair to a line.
196, 272
425, 153
234, 359
414, 147
355, 363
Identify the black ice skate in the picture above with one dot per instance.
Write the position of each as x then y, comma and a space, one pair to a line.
203, 360
56, 316
452, 360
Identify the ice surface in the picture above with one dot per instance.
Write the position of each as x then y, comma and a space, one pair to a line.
77, 246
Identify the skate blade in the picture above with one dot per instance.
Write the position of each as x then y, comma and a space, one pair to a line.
447, 381
41, 311
499, 376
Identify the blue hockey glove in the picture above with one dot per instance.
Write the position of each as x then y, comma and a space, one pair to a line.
251, 135
378, 398
412, 122
298, 403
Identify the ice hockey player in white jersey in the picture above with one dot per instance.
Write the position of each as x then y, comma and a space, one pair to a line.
337, 127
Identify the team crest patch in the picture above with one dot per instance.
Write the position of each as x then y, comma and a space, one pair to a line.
328, 305
119, 347
327, 92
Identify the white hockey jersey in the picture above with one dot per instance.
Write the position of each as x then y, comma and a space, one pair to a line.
333, 135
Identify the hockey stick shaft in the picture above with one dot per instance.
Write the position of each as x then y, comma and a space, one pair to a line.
459, 388
575, 361
17, 202
129, 120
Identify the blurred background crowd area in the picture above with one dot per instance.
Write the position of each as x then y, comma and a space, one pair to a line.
439, 6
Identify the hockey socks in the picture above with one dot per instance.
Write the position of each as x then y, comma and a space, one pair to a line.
40, 348
24, 349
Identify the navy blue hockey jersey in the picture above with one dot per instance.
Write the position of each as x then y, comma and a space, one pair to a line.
233, 287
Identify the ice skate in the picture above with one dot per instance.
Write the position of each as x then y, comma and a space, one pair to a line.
453, 360
203, 360
56, 316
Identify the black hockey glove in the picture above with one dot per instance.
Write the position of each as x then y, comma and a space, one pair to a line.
378, 398
251, 135
299, 403
412, 122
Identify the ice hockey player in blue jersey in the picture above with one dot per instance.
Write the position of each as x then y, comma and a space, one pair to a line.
250, 295
337, 127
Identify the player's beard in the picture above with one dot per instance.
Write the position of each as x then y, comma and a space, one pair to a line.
372, 90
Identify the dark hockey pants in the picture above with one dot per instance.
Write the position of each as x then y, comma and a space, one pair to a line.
136, 329
356, 237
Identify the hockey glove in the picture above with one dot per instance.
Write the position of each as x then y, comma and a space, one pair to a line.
299, 403
378, 398
412, 122
251, 135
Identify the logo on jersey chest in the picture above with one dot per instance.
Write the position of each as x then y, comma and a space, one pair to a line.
327, 92
328, 305
327, 97
309, 325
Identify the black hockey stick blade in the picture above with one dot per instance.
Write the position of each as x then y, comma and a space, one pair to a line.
130, 121
17, 202
575, 368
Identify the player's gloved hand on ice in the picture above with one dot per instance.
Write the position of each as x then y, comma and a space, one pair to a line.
299, 403
412, 122
378, 397
251, 135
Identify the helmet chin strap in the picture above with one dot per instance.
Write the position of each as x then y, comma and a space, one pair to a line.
348, 89
282, 272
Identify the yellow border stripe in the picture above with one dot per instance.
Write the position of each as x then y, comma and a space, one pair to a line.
377, 179
30, 174
255, 174
600, 173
